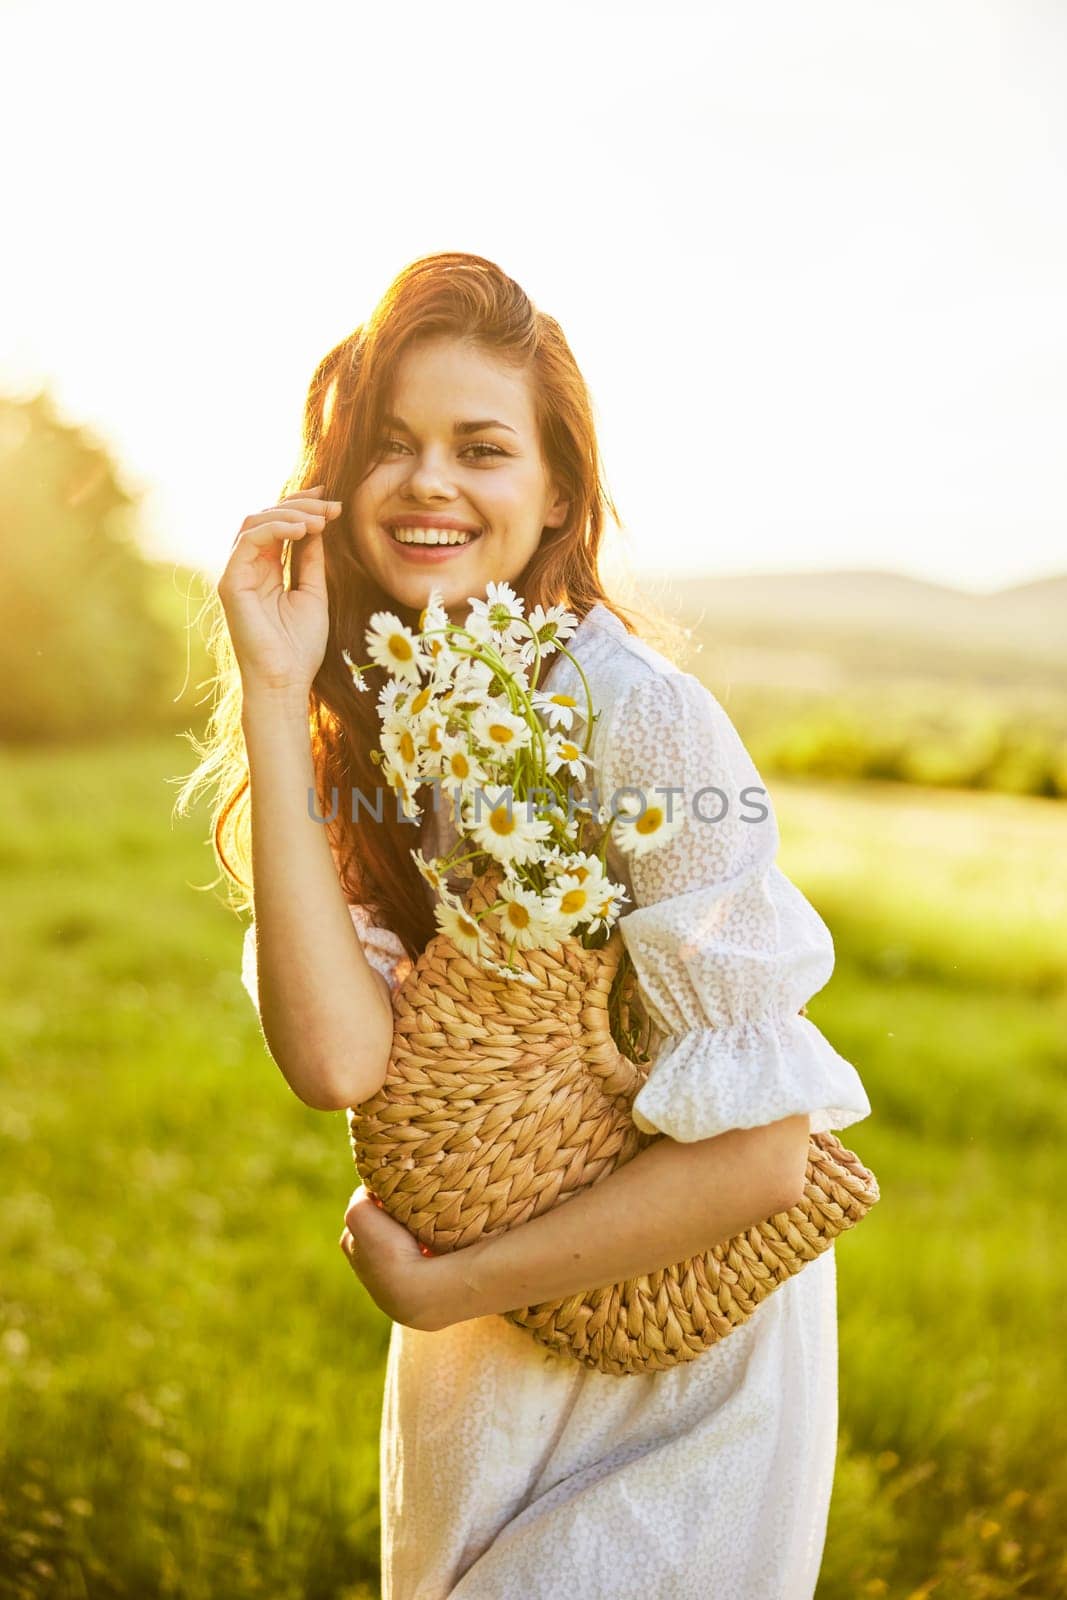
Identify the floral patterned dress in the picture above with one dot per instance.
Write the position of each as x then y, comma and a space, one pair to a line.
509, 1471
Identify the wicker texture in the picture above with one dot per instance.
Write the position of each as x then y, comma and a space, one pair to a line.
502, 1101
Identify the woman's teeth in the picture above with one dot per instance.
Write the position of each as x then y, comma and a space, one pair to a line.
431, 536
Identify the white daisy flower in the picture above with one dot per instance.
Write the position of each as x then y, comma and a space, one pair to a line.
558, 710
562, 751
432, 733
636, 834
431, 871
459, 769
393, 646
464, 932
500, 612
500, 730
552, 627
504, 832
526, 920
572, 899
393, 696
419, 701
555, 859
401, 751
587, 868
478, 630
607, 902
357, 673
399, 782
433, 614
424, 716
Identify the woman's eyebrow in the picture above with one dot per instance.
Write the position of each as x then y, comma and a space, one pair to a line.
457, 427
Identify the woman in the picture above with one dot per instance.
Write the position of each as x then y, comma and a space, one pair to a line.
507, 1470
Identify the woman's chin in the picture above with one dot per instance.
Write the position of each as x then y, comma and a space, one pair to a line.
411, 592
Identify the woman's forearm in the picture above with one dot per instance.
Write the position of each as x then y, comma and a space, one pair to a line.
672, 1201
326, 1013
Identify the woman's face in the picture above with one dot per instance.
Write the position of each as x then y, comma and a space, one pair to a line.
439, 467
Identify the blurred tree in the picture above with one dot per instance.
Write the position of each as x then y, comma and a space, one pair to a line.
90, 642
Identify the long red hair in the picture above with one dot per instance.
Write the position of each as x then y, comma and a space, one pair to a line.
470, 298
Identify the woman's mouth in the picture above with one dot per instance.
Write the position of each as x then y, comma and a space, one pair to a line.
429, 544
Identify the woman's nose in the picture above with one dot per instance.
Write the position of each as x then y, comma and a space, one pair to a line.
428, 477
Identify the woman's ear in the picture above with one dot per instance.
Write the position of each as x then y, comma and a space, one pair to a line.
556, 515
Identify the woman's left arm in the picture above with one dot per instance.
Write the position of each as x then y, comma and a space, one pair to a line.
670, 1202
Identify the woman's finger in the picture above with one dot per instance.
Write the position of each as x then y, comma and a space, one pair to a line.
313, 516
308, 569
317, 488
267, 531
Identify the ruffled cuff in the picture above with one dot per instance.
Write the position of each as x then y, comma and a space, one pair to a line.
709, 1080
383, 948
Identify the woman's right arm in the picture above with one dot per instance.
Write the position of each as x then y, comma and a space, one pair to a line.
326, 1013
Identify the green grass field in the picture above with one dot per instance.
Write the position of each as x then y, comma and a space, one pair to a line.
190, 1375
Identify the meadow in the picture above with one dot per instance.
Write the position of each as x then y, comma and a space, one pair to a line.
190, 1375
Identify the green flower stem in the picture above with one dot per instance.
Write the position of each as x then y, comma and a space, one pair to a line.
518, 698
588, 693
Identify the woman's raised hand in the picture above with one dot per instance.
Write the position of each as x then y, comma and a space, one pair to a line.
279, 635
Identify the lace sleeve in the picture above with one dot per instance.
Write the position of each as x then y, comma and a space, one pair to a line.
725, 948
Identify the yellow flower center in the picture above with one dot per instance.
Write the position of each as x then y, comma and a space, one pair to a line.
407, 746
459, 766
517, 915
399, 648
467, 927
569, 752
563, 700
574, 900
500, 822
421, 700
652, 820
433, 737
500, 733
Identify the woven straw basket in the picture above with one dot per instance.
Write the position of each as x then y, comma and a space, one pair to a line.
502, 1101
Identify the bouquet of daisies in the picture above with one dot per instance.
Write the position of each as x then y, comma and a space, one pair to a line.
462, 712
514, 1061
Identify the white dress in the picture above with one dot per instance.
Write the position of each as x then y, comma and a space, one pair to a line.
511, 1473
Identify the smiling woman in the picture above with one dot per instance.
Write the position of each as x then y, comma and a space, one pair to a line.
449, 445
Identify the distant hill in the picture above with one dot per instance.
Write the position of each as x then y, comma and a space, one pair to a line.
887, 614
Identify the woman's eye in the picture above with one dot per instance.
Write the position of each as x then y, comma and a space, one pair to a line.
482, 448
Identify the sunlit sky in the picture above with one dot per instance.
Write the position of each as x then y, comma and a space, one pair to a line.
811, 258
